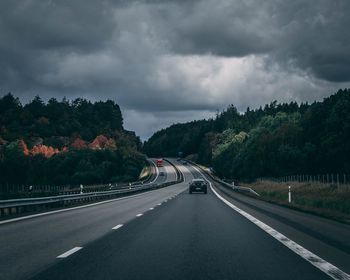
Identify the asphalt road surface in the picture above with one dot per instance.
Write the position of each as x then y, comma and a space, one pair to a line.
31, 245
162, 234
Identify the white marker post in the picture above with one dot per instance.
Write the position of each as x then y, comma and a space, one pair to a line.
289, 195
81, 189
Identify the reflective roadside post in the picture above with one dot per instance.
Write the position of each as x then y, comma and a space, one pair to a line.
289, 195
81, 189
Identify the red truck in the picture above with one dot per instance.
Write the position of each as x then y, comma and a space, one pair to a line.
160, 162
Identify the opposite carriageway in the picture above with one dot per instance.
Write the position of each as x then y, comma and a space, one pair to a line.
24, 205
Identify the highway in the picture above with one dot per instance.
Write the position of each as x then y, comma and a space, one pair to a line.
169, 234
30, 245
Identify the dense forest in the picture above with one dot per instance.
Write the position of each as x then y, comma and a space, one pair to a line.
65, 142
271, 141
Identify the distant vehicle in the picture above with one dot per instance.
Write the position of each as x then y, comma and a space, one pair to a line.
159, 162
198, 185
161, 173
184, 162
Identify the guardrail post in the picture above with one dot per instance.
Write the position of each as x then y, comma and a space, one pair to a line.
289, 195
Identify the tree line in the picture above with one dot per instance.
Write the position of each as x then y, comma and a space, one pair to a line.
66, 142
279, 139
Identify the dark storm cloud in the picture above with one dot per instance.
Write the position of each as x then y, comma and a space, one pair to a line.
34, 34
161, 56
312, 35
77, 25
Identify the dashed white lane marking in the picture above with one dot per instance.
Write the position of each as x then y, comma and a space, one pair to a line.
159, 204
151, 208
331, 270
139, 215
70, 252
117, 226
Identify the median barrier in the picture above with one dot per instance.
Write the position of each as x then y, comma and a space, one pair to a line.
24, 205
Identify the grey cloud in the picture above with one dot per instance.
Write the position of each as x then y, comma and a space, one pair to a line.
52, 24
164, 59
222, 28
311, 35
35, 34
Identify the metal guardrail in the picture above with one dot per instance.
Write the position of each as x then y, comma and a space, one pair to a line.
41, 191
179, 175
15, 206
238, 188
10, 203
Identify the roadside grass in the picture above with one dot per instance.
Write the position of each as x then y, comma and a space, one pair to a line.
330, 201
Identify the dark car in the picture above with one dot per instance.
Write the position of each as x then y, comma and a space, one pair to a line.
198, 185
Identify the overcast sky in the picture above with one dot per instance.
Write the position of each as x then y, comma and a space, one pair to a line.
171, 61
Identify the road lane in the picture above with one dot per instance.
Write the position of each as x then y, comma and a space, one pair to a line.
168, 171
326, 238
31, 245
189, 237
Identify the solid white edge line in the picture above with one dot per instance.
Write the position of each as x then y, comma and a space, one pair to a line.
68, 209
70, 252
139, 215
157, 172
117, 226
331, 270
326, 267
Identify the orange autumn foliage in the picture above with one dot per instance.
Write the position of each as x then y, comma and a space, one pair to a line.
23, 146
79, 144
46, 151
102, 142
64, 149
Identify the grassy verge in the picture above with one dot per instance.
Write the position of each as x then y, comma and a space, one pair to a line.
326, 200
